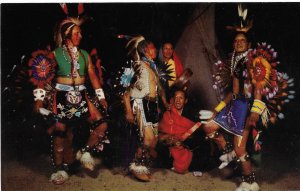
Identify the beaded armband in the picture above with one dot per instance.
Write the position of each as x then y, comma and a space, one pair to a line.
221, 105
258, 106
39, 94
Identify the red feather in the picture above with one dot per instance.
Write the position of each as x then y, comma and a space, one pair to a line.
80, 8
64, 8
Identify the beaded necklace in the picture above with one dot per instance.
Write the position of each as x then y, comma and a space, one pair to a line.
73, 54
235, 60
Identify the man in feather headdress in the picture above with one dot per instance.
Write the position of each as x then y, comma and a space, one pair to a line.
141, 105
70, 103
232, 113
253, 99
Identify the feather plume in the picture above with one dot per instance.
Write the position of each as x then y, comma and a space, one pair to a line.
244, 25
245, 14
278, 86
126, 77
242, 13
76, 21
64, 8
132, 46
164, 71
221, 77
80, 8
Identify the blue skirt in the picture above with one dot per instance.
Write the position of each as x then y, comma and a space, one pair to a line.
232, 117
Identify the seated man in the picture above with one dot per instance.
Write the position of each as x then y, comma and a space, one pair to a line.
174, 128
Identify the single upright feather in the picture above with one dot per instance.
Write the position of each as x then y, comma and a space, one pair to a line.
80, 8
242, 15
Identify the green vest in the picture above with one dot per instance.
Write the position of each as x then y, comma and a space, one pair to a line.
64, 62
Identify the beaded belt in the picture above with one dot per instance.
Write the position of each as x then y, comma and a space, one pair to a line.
64, 87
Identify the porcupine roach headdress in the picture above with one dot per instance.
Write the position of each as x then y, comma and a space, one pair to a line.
70, 22
133, 48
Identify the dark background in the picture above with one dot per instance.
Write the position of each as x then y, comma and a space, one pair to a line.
27, 27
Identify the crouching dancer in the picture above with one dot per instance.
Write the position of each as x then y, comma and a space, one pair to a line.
174, 128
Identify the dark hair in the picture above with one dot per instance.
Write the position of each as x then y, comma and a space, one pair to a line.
142, 45
167, 42
175, 89
247, 35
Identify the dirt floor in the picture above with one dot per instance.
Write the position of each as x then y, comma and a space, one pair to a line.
26, 166
34, 175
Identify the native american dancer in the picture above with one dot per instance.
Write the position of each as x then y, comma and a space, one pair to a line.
139, 86
257, 91
60, 93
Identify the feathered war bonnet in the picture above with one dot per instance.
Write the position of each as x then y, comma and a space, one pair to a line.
65, 26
